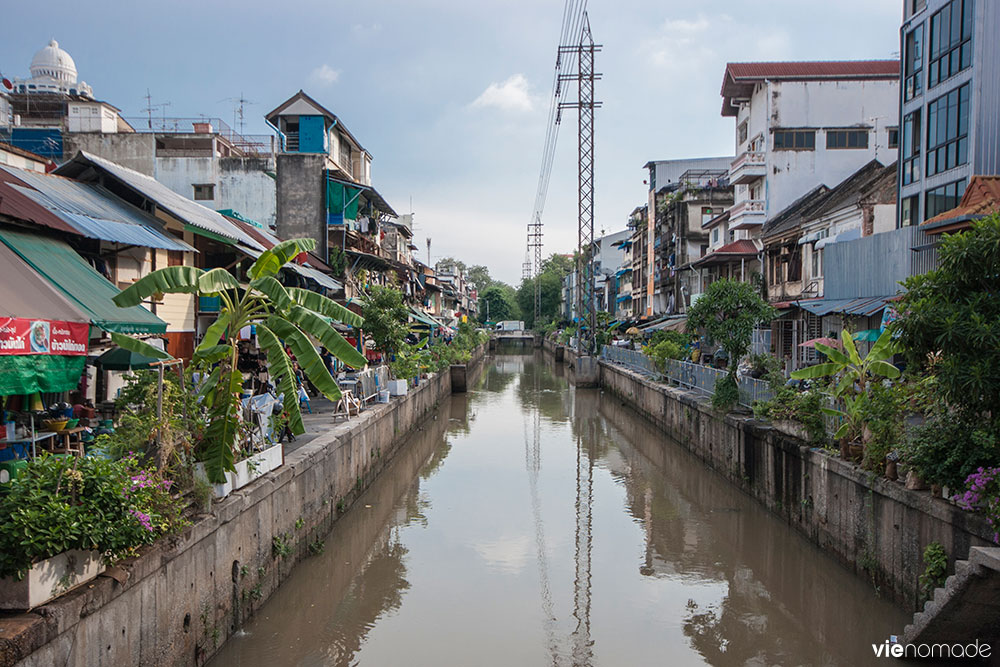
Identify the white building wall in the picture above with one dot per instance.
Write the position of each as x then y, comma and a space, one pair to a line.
816, 105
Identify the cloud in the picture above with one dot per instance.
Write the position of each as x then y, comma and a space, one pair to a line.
362, 31
509, 95
508, 554
324, 75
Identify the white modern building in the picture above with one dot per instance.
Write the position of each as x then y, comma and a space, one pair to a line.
803, 124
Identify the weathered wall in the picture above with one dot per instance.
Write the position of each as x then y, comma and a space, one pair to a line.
181, 601
301, 198
875, 527
134, 150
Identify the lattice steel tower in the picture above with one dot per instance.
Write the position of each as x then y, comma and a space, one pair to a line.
585, 307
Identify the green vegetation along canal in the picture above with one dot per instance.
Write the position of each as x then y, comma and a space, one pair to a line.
531, 523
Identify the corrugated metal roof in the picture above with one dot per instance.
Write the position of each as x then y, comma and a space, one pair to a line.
269, 240
92, 211
858, 306
190, 212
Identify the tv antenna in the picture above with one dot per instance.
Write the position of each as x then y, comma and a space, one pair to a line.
150, 108
239, 108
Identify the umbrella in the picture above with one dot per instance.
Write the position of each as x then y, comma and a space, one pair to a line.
633, 331
829, 342
869, 335
120, 359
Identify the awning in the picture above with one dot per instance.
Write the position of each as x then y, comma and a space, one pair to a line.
26, 374
91, 211
667, 324
624, 297
87, 290
348, 198
423, 318
848, 235
857, 306
813, 236
24, 293
317, 275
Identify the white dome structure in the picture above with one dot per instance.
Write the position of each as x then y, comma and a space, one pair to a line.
53, 71
54, 63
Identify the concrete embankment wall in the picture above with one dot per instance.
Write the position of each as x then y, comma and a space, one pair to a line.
181, 599
875, 527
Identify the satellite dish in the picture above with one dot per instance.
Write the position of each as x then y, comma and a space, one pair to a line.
7, 84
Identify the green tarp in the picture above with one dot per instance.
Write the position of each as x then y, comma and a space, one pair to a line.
28, 373
342, 200
86, 289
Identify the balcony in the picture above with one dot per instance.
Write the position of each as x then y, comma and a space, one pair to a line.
747, 214
747, 168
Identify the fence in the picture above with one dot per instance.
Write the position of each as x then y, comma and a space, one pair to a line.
685, 374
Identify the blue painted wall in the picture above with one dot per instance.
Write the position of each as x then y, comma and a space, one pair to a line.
312, 134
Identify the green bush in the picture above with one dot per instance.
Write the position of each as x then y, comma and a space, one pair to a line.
804, 407
61, 503
882, 415
947, 449
727, 392
665, 349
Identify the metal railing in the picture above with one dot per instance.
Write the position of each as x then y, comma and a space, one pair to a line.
696, 377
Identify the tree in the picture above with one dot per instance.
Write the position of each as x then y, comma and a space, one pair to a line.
848, 365
385, 317
451, 261
950, 321
283, 316
554, 269
728, 312
499, 301
479, 277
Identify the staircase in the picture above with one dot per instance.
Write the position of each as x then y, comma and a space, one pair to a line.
966, 608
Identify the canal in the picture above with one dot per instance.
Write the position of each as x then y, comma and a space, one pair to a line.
531, 523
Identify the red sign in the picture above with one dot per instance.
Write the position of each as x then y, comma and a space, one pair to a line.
21, 336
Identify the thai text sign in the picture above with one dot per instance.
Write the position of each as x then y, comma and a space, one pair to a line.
22, 336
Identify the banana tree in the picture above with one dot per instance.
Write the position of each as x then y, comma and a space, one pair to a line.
283, 316
848, 365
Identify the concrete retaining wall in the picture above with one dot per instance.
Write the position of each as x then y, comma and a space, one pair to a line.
179, 601
875, 527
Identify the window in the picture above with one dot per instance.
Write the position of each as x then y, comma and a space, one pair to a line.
943, 198
175, 258
948, 131
911, 147
715, 235
704, 250
913, 63
817, 262
204, 191
795, 263
788, 140
951, 41
893, 141
741, 133
908, 211
847, 138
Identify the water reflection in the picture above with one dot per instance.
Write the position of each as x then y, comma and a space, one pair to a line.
532, 523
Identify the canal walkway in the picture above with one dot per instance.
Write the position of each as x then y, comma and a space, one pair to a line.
529, 522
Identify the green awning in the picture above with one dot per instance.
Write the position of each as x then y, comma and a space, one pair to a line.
86, 288
342, 200
28, 373
421, 317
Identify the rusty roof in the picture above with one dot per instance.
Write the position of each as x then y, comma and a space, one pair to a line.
981, 198
740, 78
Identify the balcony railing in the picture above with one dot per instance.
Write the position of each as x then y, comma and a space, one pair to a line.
747, 168
748, 213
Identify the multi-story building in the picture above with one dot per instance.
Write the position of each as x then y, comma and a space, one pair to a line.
324, 192
949, 100
609, 262
802, 124
682, 211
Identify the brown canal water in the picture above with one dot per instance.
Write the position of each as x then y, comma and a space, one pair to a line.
532, 523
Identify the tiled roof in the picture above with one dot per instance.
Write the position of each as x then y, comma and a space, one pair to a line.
741, 247
981, 198
739, 79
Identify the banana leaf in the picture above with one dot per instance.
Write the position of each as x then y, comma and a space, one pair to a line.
833, 354
282, 371
215, 332
817, 371
884, 368
223, 427
169, 280
883, 348
215, 281
852, 350
274, 291
325, 306
138, 346
309, 360
271, 261
213, 354
316, 326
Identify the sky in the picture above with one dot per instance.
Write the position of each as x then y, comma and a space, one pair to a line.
451, 97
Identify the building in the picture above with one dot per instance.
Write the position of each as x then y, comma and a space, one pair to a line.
949, 100
609, 270
12, 156
665, 177
53, 71
802, 124
324, 191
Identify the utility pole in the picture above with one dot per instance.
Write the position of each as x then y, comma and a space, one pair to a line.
586, 104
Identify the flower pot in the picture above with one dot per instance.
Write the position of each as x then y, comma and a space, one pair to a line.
890, 470
855, 452
936, 490
913, 481
50, 578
